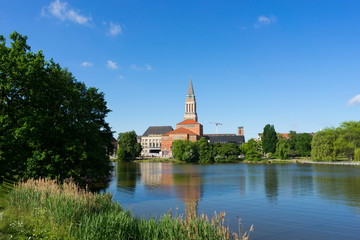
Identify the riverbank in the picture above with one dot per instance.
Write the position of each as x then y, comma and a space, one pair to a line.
262, 161
43, 209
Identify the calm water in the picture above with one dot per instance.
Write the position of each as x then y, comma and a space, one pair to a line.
282, 201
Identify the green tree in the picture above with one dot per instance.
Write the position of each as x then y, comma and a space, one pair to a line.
227, 152
251, 150
185, 150
283, 148
348, 140
323, 145
129, 148
205, 151
269, 139
300, 143
51, 125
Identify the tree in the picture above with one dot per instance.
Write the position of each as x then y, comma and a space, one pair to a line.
349, 139
252, 150
283, 148
129, 148
300, 144
323, 145
205, 151
51, 125
227, 152
185, 150
269, 139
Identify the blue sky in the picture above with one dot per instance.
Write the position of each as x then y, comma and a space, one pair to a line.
291, 63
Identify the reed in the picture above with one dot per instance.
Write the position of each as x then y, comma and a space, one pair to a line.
46, 209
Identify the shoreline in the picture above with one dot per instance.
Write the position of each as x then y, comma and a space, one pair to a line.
263, 161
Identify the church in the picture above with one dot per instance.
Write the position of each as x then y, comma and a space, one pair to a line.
189, 129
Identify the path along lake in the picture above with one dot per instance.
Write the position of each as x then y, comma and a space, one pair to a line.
282, 201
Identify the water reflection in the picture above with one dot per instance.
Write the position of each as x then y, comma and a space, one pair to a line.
301, 196
127, 174
271, 182
342, 185
187, 183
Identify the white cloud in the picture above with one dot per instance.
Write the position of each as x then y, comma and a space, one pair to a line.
86, 64
111, 65
354, 100
146, 67
265, 20
114, 29
62, 11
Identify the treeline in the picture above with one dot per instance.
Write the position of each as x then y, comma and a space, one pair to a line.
204, 152
276, 145
336, 143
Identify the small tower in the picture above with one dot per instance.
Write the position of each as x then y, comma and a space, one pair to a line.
190, 104
240, 131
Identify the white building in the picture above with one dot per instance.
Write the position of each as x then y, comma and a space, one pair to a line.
151, 140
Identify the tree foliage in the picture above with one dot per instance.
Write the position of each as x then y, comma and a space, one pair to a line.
252, 150
226, 152
129, 148
323, 145
331, 143
205, 150
51, 125
185, 150
300, 143
283, 148
269, 139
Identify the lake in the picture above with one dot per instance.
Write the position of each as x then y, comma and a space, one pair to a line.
282, 201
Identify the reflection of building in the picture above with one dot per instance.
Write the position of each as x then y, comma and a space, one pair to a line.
188, 187
151, 140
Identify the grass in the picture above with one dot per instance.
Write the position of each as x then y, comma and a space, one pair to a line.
44, 209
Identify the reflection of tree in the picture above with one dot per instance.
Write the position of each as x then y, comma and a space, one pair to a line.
188, 186
271, 182
127, 175
338, 183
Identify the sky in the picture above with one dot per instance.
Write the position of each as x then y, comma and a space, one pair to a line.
291, 63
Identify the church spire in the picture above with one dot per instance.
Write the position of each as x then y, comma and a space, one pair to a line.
190, 104
191, 89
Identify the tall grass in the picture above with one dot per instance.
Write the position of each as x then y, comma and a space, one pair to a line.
44, 209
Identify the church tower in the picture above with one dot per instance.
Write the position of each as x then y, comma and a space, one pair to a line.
190, 104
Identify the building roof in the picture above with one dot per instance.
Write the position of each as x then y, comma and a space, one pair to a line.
188, 121
226, 139
191, 89
180, 131
157, 130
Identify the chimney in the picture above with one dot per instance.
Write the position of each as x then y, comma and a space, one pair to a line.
240, 131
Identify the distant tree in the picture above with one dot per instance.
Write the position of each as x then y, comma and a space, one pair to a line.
178, 149
185, 150
269, 139
303, 144
227, 152
51, 125
323, 145
300, 143
283, 148
205, 150
129, 148
349, 139
251, 150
